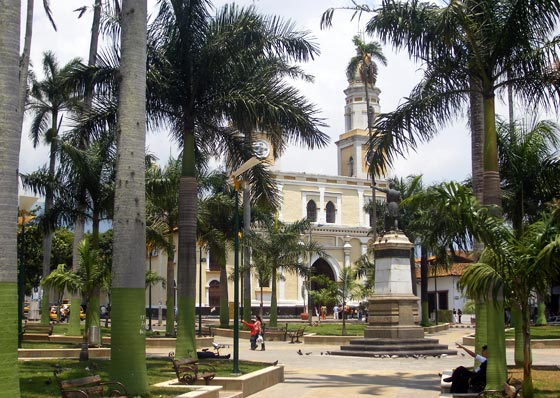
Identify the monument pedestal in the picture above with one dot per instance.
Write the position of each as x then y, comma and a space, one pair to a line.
393, 310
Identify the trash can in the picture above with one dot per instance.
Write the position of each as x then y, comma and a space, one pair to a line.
94, 336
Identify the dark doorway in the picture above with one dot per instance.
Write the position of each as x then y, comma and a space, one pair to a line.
321, 267
214, 294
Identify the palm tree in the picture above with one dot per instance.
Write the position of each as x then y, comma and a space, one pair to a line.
467, 46
10, 137
193, 54
363, 65
521, 266
162, 195
216, 233
51, 97
529, 169
529, 173
85, 281
278, 247
128, 346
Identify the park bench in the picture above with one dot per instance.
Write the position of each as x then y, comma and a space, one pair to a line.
90, 387
276, 333
296, 334
37, 331
188, 371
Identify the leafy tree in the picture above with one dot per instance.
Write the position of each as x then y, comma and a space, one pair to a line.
195, 57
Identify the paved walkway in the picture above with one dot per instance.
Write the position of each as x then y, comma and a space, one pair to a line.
316, 375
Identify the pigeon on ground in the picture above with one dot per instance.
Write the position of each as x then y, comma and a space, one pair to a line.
275, 363
308, 353
299, 352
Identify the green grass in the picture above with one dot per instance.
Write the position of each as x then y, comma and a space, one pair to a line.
539, 332
37, 378
331, 329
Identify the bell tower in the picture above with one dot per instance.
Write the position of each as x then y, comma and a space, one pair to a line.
352, 145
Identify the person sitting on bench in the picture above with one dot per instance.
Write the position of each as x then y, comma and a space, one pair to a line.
462, 378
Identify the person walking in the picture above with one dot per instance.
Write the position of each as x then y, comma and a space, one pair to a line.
255, 329
459, 314
335, 311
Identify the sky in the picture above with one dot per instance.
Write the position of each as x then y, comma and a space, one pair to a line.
446, 157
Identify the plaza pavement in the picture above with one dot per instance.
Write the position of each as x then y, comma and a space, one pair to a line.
313, 375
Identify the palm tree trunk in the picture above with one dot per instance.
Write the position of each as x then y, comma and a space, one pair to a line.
491, 175
517, 323
128, 346
424, 285
274, 301
497, 368
528, 390
170, 299
25, 56
75, 299
10, 136
481, 328
477, 145
186, 272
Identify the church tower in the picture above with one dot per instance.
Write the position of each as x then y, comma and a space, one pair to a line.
352, 145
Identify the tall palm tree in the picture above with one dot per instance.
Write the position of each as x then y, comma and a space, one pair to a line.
128, 346
278, 247
10, 137
216, 230
529, 172
195, 93
363, 65
529, 169
521, 266
162, 194
50, 99
470, 45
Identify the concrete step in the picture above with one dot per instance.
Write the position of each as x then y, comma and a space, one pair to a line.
384, 342
231, 394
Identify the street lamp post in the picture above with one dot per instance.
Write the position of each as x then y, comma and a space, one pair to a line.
249, 164
25, 203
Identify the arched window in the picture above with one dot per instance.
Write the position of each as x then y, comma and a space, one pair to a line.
331, 212
311, 211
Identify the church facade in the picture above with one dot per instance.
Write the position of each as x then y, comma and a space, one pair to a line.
335, 205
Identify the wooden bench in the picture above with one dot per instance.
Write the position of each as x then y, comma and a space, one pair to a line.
274, 333
207, 331
188, 371
89, 387
296, 334
37, 331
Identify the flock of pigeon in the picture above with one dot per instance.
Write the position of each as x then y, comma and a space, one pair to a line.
415, 356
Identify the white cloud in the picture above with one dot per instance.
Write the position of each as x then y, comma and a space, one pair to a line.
446, 157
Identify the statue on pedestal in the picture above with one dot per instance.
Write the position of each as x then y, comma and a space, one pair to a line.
392, 211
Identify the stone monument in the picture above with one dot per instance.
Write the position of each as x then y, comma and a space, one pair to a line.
393, 327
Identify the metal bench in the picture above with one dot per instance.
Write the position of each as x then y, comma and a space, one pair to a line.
296, 334
188, 371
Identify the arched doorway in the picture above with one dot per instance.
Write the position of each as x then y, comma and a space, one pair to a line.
214, 294
321, 267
